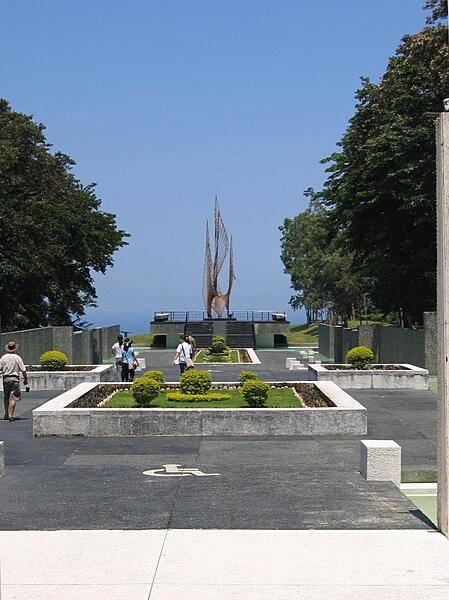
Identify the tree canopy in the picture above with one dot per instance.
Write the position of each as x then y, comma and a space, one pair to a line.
380, 192
315, 259
53, 234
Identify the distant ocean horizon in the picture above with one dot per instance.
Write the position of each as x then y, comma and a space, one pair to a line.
139, 321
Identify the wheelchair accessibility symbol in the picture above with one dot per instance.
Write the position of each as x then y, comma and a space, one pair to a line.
178, 471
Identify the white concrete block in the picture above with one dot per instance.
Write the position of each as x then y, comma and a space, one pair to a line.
296, 366
380, 460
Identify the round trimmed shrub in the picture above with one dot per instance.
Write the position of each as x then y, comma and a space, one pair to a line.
360, 357
255, 392
195, 382
144, 390
53, 360
218, 346
247, 376
157, 375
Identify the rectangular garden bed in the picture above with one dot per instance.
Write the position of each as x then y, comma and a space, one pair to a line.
380, 377
328, 411
67, 379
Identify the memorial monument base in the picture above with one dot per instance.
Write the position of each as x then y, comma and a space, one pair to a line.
245, 329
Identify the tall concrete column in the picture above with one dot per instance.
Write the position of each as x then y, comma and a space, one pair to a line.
442, 140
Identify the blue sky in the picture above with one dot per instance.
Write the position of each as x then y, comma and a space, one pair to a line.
166, 104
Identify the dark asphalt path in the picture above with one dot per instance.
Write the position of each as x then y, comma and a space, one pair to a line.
271, 369
264, 483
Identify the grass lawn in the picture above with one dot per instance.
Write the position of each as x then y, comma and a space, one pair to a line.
303, 334
277, 398
204, 357
142, 339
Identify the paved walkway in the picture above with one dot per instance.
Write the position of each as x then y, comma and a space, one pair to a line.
224, 565
264, 483
285, 518
271, 369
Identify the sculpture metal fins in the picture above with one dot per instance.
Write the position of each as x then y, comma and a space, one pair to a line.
213, 297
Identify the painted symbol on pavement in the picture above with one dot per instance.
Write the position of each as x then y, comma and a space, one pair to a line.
178, 471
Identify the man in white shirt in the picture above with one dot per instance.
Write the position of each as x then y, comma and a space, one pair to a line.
117, 351
183, 351
11, 365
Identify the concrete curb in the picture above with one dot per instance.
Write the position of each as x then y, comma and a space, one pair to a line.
409, 377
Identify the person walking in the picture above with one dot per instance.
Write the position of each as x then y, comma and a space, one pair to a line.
11, 366
191, 340
117, 352
183, 351
129, 361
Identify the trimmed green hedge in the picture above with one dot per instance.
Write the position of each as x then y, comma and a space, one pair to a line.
255, 393
360, 357
144, 390
53, 360
195, 382
210, 397
247, 376
219, 358
157, 375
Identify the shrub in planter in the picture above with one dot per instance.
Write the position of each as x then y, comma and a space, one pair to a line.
210, 397
53, 360
255, 392
247, 376
360, 357
157, 375
218, 346
219, 358
144, 390
195, 382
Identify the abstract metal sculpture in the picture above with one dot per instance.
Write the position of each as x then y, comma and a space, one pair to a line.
214, 299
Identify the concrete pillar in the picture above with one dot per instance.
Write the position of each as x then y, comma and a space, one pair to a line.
442, 142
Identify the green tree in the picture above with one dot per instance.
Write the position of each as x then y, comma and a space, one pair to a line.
53, 234
438, 10
319, 266
381, 184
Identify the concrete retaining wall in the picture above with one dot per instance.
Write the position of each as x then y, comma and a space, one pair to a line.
410, 378
34, 342
345, 417
81, 347
389, 344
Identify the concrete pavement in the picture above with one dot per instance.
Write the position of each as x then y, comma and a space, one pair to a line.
217, 565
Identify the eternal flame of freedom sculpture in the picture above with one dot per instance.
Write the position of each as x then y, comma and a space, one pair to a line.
214, 298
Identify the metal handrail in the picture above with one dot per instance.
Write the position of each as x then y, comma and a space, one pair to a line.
181, 316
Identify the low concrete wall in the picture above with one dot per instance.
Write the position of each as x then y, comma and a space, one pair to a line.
410, 377
324, 340
92, 346
66, 380
345, 417
34, 342
389, 344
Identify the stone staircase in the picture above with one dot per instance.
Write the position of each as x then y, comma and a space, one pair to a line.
202, 331
240, 334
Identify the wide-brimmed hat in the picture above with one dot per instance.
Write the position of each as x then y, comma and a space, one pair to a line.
11, 346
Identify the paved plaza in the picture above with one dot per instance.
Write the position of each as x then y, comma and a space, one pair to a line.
264, 483
278, 517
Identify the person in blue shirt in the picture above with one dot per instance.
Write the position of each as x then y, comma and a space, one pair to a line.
129, 360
